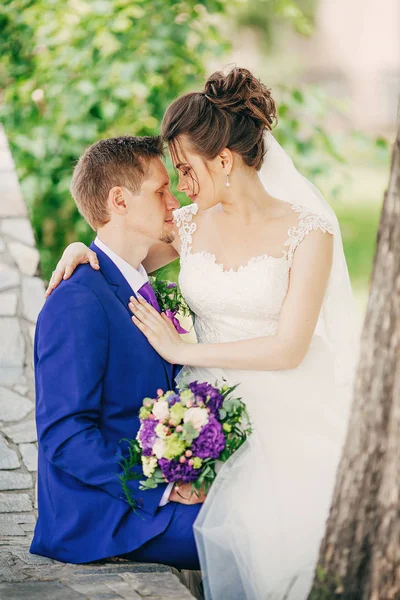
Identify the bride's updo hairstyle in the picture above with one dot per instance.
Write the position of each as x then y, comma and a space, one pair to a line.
233, 111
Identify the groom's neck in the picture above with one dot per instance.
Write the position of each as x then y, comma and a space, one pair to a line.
132, 248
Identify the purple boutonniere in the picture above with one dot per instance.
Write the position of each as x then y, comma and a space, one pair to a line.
171, 301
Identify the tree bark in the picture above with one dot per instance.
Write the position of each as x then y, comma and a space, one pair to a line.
360, 554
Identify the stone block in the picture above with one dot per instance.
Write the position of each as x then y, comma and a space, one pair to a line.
8, 457
10, 528
12, 351
6, 161
11, 503
9, 375
32, 297
11, 201
18, 518
13, 407
8, 304
32, 331
3, 138
19, 229
32, 560
22, 432
26, 257
9, 277
10, 480
29, 456
12, 347
21, 389
38, 590
28, 527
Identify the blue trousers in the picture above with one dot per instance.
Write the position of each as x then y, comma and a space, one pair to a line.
175, 546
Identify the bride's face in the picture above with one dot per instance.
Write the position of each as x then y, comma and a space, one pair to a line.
203, 181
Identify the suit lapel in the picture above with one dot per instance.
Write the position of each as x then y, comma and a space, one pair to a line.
123, 291
114, 277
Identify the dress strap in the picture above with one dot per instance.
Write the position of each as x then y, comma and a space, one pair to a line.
184, 221
308, 221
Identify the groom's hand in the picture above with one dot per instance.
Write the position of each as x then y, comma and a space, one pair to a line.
185, 495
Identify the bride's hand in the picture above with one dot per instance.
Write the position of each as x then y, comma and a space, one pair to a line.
75, 254
158, 329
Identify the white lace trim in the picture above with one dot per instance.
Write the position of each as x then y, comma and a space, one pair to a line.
183, 218
308, 221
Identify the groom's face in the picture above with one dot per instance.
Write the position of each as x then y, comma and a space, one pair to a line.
150, 211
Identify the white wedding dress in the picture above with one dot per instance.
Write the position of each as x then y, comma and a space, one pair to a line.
260, 529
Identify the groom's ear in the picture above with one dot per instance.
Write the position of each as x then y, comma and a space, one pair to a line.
117, 201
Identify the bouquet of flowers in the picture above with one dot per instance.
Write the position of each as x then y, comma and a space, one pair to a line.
171, 301
184, 434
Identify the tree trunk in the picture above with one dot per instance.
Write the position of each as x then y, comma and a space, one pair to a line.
360, 554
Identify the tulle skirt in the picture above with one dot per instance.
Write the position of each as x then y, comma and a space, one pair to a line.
259, 531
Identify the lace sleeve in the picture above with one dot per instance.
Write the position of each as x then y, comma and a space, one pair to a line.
308, 221
183, 218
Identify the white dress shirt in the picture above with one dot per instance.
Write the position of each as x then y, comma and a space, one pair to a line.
136, 279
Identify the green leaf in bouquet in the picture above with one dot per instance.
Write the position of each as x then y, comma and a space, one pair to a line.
222, 414
128, 470
228, 406
225, 454
189, 433
148, 484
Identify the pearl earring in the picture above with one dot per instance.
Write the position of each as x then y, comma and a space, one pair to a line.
228, 184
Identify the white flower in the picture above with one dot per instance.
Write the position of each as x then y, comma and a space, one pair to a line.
161, 410
159, 447
149, 464
160, 431
197, 416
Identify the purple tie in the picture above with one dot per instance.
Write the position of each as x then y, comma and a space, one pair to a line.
148, 294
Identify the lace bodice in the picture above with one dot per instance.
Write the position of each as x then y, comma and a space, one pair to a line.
231, 305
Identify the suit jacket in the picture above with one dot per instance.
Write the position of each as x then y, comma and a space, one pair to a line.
93, 368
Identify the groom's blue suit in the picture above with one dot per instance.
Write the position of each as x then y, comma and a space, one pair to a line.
93, 368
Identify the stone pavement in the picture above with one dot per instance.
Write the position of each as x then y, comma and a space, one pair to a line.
22, 575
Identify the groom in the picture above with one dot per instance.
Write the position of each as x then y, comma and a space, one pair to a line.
93, 369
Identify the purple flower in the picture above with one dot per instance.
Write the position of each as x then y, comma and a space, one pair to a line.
173, 399
211, 440
147, 436
171, 285
173, 470
209, 394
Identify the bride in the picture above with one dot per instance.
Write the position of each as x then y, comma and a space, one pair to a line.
263, 269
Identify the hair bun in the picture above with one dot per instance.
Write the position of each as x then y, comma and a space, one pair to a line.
242, 93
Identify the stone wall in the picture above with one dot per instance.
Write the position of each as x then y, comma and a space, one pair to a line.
21, 298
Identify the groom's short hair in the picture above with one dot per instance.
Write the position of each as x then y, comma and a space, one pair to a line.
120, 161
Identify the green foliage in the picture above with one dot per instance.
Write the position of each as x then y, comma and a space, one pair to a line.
169, 296
74, 72
129, 470
359, 225
77, 71
302, 115
269, 17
